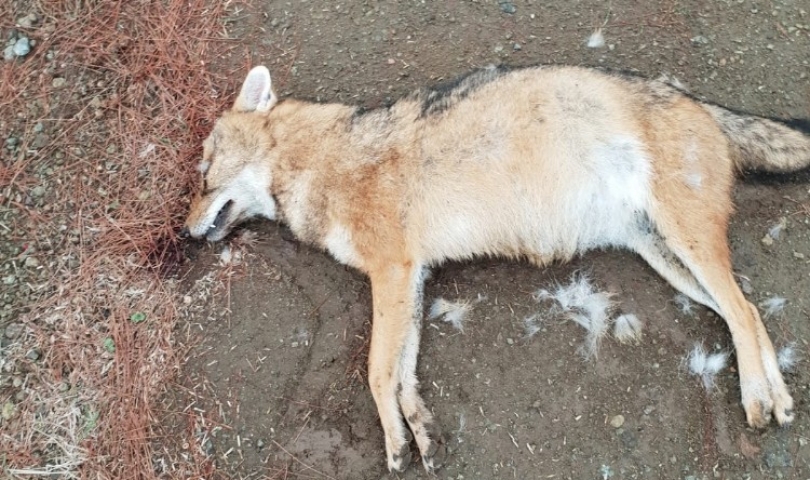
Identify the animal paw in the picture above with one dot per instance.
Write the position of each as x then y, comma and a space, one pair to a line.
398, 462
757, 415
435, 454
758, 404
399, 453
783, 408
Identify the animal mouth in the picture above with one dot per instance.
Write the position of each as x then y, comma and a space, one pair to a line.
216, 230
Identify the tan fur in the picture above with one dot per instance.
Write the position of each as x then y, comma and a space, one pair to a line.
539, 163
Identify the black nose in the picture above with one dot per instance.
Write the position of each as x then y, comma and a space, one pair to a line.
184, 233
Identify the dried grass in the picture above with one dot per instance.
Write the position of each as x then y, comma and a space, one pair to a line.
128, 128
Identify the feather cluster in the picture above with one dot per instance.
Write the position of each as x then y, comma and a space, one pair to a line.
787, 358
627, 328
706, 365
454, 313
684, 304
596, 40
773, 306
588, 308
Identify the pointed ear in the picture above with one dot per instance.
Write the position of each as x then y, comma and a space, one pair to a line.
257, 93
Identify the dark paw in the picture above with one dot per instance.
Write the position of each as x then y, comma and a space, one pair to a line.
436, 454
402, 459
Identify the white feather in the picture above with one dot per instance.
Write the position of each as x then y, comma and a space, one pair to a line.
627, 328
542, 295
596, 40
706, 366
532, 325
787, 358
575, 294
462, 423
715, 363
684, 304
775, 231
454, 313
225, 256
586, 307
773, 306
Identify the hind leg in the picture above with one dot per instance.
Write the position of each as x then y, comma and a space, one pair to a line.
783, 403
696, 259
394, 302
397, 298
420, 419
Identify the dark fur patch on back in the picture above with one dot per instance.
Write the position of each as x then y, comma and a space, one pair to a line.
776, 179
440, 98
800, 124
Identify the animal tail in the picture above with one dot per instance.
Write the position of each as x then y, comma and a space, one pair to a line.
762, 144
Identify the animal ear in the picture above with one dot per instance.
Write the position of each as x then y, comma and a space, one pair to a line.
257, 93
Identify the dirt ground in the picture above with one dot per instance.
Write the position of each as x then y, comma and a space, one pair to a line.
281, 357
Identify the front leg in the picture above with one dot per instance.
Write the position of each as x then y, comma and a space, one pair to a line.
397, 298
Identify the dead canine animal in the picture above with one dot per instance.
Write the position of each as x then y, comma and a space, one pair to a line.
539, 163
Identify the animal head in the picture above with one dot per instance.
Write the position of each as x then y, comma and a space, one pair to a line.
235, 168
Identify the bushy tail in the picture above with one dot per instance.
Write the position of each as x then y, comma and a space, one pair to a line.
763, 144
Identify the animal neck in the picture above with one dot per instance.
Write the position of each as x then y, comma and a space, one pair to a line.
313, 148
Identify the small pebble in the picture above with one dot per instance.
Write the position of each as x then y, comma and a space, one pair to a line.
617, 421
747, 288
38, 191
27, 21
7, 410
507, 7
14, 330
21, 47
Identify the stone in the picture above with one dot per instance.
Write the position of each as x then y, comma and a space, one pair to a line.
21, 47
617, 421
14, 330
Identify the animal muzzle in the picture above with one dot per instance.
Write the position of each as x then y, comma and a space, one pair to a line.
219, 227
214, 231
